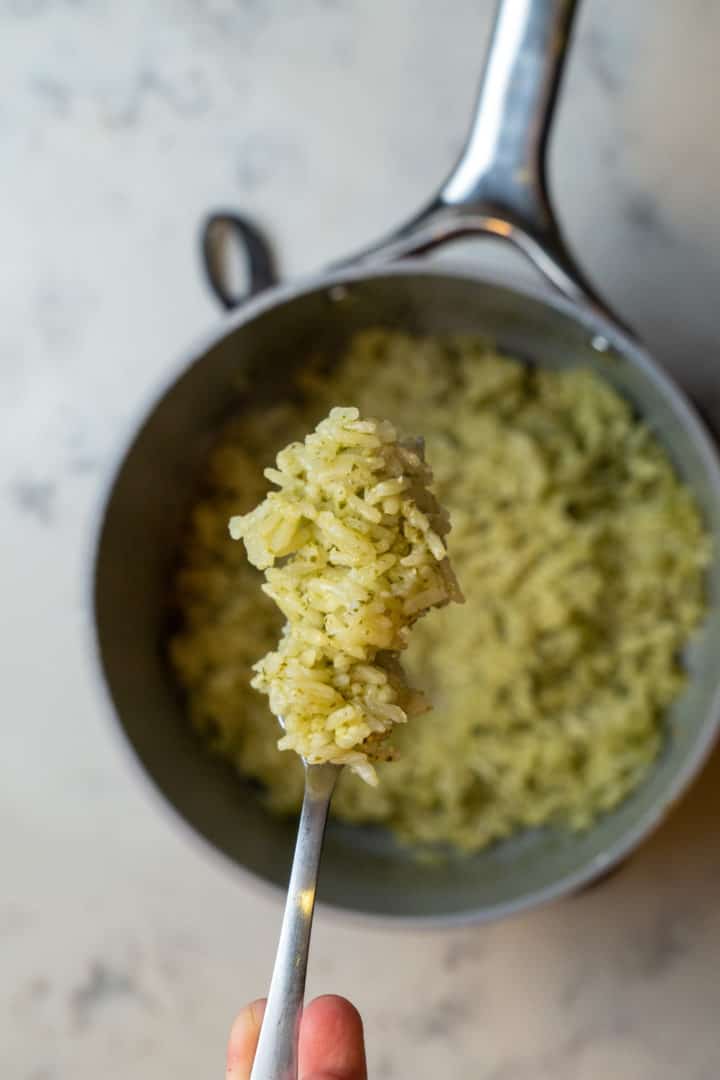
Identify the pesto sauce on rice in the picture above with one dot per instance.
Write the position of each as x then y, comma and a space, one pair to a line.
353, 553
582, 559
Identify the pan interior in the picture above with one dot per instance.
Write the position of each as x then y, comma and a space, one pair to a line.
363, 869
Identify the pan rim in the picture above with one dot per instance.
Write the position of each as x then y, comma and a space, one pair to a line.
595, 324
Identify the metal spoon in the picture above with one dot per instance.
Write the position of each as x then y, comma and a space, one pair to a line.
277, 1052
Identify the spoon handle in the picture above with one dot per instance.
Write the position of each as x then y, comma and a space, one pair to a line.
277, 1051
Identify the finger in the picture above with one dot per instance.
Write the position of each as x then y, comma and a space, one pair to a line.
243, 1041
332, 1046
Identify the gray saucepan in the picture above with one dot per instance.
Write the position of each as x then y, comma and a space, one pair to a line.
498, 189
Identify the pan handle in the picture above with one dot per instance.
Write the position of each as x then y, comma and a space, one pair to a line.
498, 187
224, 237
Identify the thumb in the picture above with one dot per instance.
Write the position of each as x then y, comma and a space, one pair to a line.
326, 1076
331, 1041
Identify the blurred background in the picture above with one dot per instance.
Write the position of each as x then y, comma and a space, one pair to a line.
126, 944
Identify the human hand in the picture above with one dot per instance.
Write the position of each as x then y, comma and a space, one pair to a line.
332, 1046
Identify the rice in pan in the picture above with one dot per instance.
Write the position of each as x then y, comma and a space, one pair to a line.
582, 559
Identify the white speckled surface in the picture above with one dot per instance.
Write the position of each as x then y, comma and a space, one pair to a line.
127, 946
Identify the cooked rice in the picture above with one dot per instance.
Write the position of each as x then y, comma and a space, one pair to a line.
359, 538
582, 558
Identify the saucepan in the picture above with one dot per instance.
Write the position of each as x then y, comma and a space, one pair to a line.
497, 189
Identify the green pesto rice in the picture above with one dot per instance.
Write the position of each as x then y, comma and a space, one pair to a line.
352, 546
581, 556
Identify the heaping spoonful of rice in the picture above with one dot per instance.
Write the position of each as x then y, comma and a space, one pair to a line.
352, 545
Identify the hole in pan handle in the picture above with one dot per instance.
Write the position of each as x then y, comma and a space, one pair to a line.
237, 258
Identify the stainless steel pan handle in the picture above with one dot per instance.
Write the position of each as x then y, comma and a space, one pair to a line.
498, 187
223, 234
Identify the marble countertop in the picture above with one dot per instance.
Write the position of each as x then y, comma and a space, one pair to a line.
127, 946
